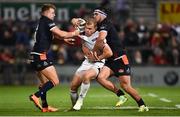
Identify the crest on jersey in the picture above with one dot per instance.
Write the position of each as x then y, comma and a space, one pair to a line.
94, 39
45, 63
102, 27
121, 70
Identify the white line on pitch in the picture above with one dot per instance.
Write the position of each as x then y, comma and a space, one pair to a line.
177, 105
165, 100
128, 107
152, 95
101, 96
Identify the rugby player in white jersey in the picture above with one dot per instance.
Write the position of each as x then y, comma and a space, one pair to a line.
89, 69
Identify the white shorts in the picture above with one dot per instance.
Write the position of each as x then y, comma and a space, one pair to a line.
88, 65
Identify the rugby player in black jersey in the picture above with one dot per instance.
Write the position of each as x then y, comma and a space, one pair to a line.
117, 64
45, 32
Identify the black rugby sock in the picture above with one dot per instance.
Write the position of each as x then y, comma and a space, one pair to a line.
43, 99
120, 93
47, 86
141, 102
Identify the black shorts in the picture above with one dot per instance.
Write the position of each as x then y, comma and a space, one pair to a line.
40, 62
120, 66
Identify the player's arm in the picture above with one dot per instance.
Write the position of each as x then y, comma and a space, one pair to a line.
70, 41
100, 41
107, 52
85, 49
60, 34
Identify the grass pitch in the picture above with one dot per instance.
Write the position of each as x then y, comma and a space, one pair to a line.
162, 101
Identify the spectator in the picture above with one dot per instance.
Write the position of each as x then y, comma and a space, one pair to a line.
156, 40
62, 55
122, 10
82, 11
22, 36
174, 56
159, 57
137, 58
143, 33
131, 37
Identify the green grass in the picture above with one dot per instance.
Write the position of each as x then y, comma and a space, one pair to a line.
99, 102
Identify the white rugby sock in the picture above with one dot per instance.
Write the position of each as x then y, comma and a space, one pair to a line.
74, 97
84, 90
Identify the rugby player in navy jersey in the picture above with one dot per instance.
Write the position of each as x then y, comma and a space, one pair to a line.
45, 32
117, 64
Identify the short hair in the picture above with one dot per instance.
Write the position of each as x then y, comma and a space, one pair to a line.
46, 7
90, 21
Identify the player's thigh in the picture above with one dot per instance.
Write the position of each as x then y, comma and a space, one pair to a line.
76, 82
42, 78
90, 73
104, 73
125, 80
51, 74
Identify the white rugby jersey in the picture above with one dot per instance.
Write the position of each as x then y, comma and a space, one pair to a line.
90, 41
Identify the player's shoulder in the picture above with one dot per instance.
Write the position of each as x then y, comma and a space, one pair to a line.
104, 25
95, 34
44, 19
105, 22
46, 22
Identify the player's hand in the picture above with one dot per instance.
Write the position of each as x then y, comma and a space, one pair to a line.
96, 56
70, 41
79, 24
91, 57
75, 22
76, 33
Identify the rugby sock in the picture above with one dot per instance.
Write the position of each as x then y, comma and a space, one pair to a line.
74, 97
43, 99
141, 102
84, 90
47, 86
120, 93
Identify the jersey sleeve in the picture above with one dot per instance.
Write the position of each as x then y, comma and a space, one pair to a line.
50, 24
103, 27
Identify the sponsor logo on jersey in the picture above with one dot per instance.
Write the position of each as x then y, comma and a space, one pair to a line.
45, 63
121, 70
102, 27
128, 70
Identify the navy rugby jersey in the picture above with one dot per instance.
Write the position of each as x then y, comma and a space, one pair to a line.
43, 35
112, 38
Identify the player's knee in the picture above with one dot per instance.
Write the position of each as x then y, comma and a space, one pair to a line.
86, 78
73, 87
100, 77
56, 82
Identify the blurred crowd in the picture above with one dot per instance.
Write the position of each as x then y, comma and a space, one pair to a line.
147, 43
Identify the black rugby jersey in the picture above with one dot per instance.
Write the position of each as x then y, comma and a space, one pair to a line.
112, 38
43, 35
